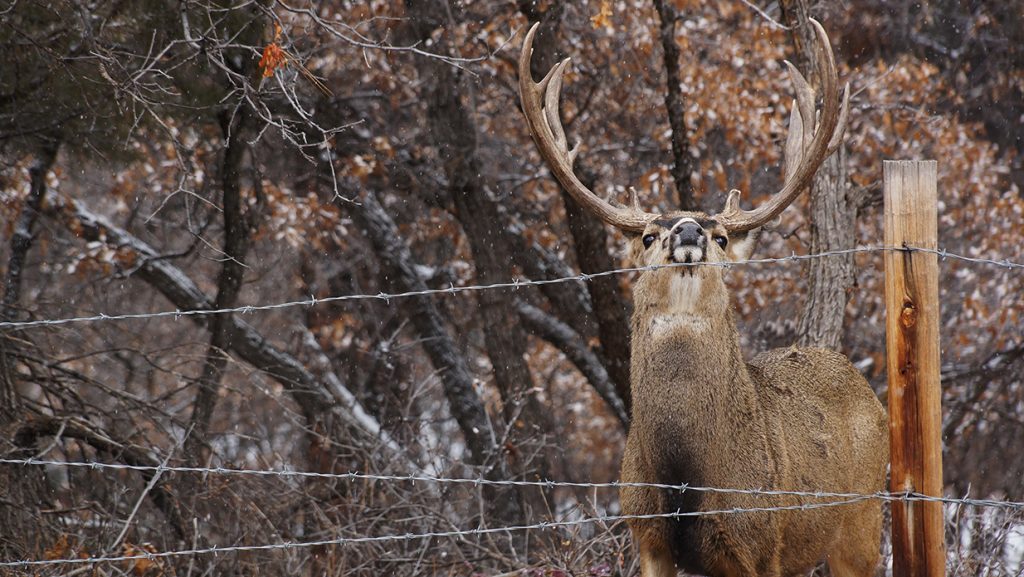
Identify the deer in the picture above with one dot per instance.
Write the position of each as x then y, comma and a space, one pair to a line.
792, 420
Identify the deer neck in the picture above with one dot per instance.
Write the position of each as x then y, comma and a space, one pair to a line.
686, 352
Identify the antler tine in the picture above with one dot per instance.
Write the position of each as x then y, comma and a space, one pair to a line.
828, 132
795, 142
552, 98
844, 114
540, 106
799, 137
804, 104
634, 199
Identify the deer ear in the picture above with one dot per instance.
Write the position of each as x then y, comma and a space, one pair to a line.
742, 244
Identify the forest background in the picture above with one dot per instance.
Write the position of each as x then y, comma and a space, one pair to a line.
177, 156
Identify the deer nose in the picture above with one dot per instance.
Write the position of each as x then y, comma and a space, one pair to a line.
690, 233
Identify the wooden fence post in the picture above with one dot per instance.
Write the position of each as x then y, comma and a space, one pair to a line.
912, 360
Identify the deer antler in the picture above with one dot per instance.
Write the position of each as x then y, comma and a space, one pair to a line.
804, 153
540, 105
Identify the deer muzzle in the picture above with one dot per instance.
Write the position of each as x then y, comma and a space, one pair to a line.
688, 242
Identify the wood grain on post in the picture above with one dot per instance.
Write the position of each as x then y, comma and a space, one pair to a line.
912, 360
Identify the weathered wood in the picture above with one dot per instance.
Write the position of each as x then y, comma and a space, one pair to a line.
912, 343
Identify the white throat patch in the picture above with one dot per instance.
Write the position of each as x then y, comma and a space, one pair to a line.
683, 293
683, 296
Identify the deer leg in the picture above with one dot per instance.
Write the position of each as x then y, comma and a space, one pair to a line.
656, 560
841, 566
650, 535
857, 552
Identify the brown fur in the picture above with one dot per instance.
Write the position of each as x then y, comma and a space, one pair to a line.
791, 419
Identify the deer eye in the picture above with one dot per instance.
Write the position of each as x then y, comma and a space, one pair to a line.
648, 240
721, 240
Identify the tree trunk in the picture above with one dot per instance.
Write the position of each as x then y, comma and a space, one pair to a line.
237, 227
25, 492
21, 239
562, 336
829, 280
21, 242
682, 163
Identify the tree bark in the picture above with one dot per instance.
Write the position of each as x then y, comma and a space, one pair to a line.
832, 217
400, 275
574, 318
611, 310
465, 404
682, 163
454, 134
566, 340
21, 242
829, 280
237, 228
570, 301
24, 492
21, 239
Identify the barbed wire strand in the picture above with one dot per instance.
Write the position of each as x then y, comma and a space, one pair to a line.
514, 284
349, 476
425, 535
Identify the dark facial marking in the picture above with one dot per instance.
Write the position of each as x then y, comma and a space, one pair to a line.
668, 223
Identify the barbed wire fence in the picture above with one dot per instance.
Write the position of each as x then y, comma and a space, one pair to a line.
807, 500
514, 284
825, 499
822, 499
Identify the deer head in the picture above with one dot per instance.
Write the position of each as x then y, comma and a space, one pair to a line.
810, 141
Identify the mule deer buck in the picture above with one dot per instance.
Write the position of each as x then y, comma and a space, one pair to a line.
796, 419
